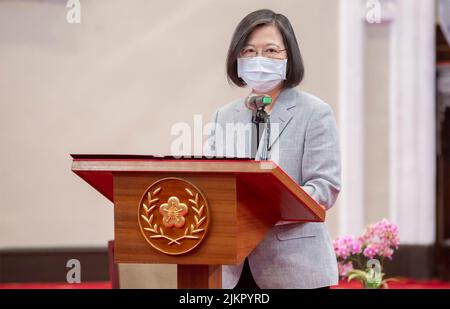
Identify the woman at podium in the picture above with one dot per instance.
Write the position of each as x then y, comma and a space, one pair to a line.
264, 55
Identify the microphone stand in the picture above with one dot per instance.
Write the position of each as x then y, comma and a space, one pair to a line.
261, 116
257, 104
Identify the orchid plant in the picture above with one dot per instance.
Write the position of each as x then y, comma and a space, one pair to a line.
362, 258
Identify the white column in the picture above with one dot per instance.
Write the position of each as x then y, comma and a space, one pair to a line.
351, 116
412, 121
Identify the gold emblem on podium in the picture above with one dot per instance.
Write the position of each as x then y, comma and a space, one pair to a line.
173, 216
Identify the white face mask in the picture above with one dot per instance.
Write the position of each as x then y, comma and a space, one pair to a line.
260, 73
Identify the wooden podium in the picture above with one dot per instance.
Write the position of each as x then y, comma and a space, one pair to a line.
211, 212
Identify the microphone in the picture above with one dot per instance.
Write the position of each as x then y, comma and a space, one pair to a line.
256, 102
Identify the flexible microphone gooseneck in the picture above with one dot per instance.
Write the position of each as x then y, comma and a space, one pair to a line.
257, 104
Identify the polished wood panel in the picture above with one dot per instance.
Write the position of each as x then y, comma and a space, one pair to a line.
294, 203
219, 245
256, 213
199, 276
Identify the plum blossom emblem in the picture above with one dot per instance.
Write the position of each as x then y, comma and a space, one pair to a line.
173, 212
173, 216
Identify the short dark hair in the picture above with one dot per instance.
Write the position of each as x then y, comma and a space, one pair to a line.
295, 69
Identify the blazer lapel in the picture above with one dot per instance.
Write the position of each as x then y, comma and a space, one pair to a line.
280, 116
243, 114
282, 113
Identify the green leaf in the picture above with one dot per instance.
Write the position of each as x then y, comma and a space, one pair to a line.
357, 274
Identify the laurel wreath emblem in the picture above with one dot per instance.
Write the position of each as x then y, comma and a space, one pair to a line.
191, 232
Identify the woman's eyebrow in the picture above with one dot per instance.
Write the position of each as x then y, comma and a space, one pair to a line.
268, 44
274, 44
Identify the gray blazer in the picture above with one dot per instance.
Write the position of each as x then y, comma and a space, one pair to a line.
292, 255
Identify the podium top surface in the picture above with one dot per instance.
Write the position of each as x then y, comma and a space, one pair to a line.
98, 169
149, 157
144, 163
